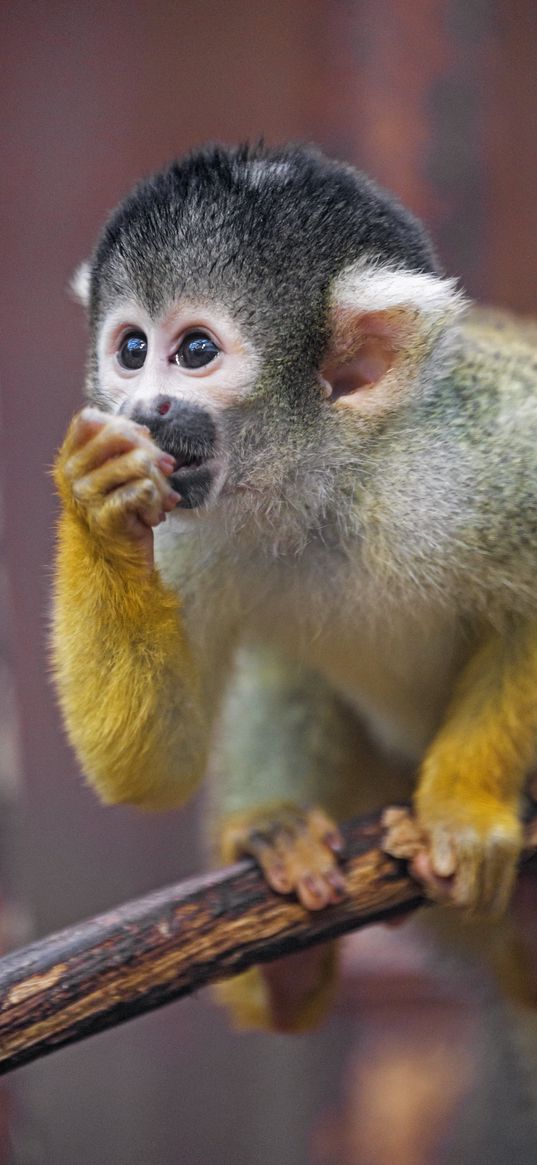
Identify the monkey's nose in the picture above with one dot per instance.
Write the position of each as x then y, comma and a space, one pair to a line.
164, 406
169, 409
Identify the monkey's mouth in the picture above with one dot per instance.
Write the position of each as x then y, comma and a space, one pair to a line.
192, 480
186, 459
197, 479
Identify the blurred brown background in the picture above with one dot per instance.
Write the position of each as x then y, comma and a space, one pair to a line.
437, 100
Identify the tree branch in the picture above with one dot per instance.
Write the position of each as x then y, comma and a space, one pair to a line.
165, 945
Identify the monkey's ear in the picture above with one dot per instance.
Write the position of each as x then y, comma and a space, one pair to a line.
383, 324
79, 285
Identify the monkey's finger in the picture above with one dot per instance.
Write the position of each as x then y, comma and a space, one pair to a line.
403, 837
84, 426
442, 853
313, 892
142, 500
273, 866
314, 874
118, 436
121, 471
322, 827
440, 889
171, 500
125, 507
276, 874
317, 890
258, 844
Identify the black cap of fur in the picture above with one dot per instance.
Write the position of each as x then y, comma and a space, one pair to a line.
261, 231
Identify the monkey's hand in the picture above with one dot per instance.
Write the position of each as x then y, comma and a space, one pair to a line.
110, 473
470, 861
471, 850
297, 850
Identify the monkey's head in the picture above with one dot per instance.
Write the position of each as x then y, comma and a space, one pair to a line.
263, 312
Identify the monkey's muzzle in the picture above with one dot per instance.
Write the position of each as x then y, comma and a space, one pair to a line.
188, 433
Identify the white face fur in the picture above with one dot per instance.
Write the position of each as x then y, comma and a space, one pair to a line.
194, 353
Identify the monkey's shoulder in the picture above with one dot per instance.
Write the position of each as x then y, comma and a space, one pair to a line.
500, 328
498, 358
486, 398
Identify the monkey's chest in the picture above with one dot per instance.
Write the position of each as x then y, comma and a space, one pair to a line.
399, 678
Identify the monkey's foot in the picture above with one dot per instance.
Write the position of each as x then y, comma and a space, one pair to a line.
297, 850
290, 994
468, 859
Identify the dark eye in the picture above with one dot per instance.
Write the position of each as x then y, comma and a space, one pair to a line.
133, 351
196, 350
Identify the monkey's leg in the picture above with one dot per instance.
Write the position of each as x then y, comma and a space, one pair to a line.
472, 776
292, 758
126, 680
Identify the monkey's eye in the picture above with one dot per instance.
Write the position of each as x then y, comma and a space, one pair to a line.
196, 350
133, 351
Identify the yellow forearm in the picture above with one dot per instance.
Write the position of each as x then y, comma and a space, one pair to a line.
487, 743
125, 677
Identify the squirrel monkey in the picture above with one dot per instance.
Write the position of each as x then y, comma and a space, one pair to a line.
300, 512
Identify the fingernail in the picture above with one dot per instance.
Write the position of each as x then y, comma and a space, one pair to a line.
337, 883
167, 464
314, 885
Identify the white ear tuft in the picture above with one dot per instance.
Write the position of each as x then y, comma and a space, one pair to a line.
366, 287
385, 321
79, 285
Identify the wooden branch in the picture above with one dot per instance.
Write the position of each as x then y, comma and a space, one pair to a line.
150, 951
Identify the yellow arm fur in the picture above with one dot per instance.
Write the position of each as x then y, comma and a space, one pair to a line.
472, 775
125, 677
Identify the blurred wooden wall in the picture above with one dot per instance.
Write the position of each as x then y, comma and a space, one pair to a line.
437, 99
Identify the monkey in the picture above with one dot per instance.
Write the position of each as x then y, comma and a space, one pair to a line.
297, 540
